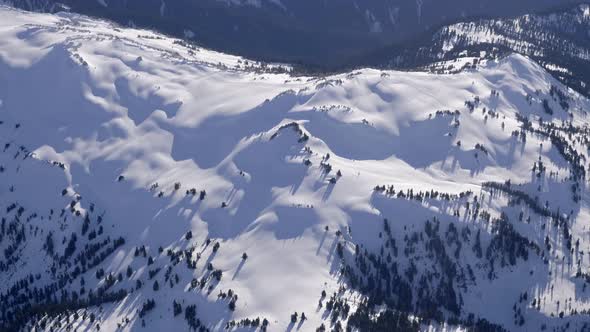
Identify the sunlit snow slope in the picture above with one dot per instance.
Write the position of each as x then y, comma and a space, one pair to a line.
129, 158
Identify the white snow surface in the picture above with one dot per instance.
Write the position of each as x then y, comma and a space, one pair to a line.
107, 101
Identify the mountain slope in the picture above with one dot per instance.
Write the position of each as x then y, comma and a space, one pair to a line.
147, 184
314, 32
558, 40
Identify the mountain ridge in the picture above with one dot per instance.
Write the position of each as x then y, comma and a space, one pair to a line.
187, 188
311, 32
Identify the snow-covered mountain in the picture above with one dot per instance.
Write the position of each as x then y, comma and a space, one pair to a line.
150, 185
558, 40
326, 32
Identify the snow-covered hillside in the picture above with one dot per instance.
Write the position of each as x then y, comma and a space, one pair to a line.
557, 40
328, 33
146, 184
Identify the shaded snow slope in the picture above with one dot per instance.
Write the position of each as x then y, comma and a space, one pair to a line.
116, 126
325, 33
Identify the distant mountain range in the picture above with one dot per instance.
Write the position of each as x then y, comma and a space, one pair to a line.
558, 40
326, 32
